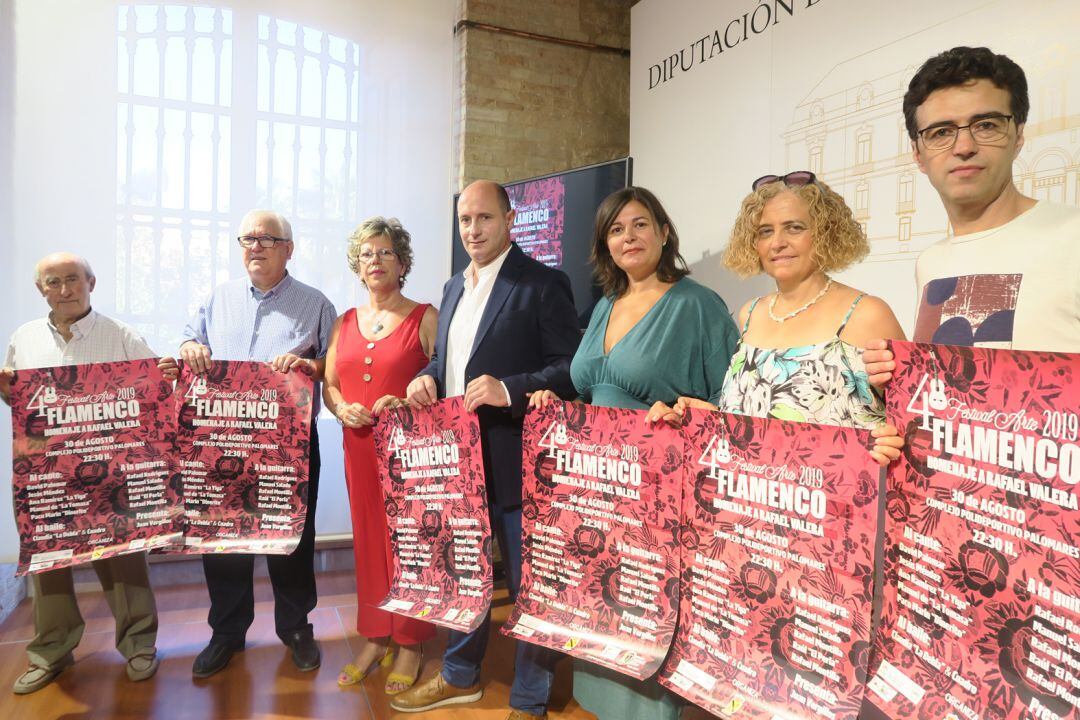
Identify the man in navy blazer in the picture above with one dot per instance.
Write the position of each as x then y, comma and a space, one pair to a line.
507, 327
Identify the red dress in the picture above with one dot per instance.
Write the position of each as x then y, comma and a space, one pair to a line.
366, 371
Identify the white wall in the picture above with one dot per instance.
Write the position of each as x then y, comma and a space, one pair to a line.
828, 73
64, 166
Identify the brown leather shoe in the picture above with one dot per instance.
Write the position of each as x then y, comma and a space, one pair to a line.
434, 692
516, 714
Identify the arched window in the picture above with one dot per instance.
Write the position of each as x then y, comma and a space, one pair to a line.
814, 161
174, 145
866, 97
862, 200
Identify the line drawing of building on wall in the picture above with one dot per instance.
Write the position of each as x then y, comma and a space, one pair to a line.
850, 132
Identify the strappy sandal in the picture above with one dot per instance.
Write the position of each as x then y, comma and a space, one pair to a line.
401, 681
352, 675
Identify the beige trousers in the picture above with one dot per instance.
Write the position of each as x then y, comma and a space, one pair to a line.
58, 625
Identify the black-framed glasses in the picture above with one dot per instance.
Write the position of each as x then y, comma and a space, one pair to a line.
263, 241
366, 256
792, 179
983, 131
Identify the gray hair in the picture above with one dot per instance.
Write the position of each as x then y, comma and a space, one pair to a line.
253, 215
60, 257
400, 241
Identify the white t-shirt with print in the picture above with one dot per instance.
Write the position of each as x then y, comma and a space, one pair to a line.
1015, 286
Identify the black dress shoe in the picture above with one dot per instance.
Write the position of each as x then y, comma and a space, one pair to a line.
305, 651
214, 658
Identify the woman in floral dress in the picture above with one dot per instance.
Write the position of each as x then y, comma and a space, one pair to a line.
800, 348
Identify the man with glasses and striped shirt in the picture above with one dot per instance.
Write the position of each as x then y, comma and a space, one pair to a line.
268, 316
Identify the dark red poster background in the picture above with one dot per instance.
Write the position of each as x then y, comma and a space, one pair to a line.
92, 463
432, 474
599, 575
982, 611
779, 521
243, 439
538, 227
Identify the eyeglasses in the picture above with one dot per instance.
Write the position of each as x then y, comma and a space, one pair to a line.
263, 241
366, 256
984, 130
792, 179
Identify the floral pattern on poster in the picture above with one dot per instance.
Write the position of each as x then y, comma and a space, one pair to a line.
243, 440
92, 463
432, 473
982, 610
779, 522
540, 218
600, 517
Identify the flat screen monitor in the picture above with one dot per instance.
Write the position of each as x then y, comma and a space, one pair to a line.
554, 222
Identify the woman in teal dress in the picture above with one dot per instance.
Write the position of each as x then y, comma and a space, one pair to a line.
654, 336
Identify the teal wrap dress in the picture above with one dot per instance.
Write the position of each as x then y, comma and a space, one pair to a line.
681, 346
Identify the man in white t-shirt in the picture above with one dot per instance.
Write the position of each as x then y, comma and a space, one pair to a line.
1008, 275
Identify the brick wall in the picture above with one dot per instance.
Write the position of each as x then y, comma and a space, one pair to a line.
527, 107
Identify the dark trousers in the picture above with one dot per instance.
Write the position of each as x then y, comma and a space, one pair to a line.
230, 582
534, 666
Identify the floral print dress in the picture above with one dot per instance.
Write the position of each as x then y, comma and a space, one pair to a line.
822, 383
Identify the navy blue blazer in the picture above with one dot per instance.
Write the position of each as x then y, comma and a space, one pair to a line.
527, 336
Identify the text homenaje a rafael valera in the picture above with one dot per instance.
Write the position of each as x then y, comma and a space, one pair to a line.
982, 603
93, 462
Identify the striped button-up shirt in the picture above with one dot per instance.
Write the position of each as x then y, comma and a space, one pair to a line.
94, 339
240, 322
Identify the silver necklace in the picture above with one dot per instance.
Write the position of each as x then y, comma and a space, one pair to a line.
793, 313
377, 324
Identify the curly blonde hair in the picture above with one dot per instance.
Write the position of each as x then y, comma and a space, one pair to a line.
839, 240
400, 241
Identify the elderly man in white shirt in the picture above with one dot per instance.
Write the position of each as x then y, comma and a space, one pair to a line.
74, 334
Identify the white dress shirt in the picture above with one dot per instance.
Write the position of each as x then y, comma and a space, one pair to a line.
94, 339
466, 321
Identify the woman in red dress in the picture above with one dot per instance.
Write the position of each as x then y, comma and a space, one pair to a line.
375, 350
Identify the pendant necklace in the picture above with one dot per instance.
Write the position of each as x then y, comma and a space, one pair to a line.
377, 325
793, 313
